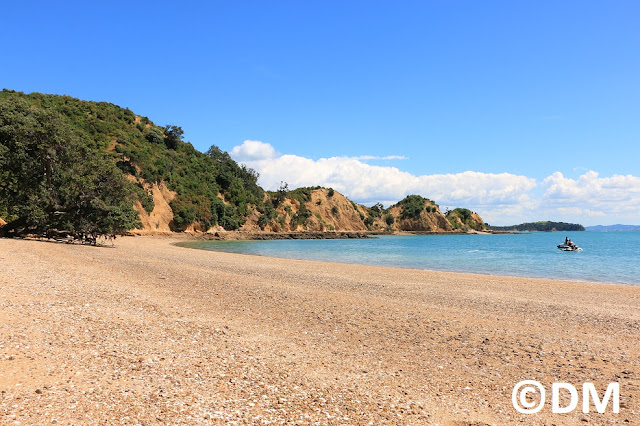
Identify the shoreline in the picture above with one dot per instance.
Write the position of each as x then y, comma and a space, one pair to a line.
300, 235
150, 332
186, 241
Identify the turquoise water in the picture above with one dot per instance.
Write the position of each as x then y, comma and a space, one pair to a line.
612, 257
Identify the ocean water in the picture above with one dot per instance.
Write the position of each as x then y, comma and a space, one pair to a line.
612, 257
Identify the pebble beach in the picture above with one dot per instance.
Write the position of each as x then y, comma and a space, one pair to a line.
146, 332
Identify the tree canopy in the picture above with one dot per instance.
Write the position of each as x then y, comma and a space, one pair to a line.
543, 226
53, 182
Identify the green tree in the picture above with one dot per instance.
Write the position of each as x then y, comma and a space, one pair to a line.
173, 136
281, 194
52, 181
412, 206
389, 219
368, 221
154, 136
377, 209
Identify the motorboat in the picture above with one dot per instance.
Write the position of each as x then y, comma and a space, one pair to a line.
569, 247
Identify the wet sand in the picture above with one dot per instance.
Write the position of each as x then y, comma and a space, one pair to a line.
147, 332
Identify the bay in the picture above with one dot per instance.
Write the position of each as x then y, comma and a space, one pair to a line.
611, 257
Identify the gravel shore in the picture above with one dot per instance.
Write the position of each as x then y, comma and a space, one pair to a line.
147, 332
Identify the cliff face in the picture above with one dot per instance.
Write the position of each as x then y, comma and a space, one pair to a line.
329, 213
465, 219
426, 221
318, 210
335, 212
160, 219
322, 209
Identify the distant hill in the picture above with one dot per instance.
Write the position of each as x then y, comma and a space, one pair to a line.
613, 228
546, 226
418, 214
164, 184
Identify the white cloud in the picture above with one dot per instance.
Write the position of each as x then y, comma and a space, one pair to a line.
253, 151
500, 198
619, 194
386, 157
369, 183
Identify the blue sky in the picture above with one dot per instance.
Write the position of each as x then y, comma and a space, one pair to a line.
483, 102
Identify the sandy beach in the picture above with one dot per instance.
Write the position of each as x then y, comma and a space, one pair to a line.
147, 332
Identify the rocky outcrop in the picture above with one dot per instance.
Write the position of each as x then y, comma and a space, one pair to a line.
310, 212
159, 221
431, 220
465, 220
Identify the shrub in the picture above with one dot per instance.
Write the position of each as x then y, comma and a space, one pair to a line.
154, 136
229, 223
302, 195
389, 219
267, 216
184, 213
280, 195
377, 209
301, 217
412, 206
172, 136
465, 216
145, 197
263, 221
334, 210
369, 221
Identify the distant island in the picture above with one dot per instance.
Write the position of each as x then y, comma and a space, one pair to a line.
613, 228
546, 226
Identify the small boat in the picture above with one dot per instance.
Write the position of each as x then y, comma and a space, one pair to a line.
569, 247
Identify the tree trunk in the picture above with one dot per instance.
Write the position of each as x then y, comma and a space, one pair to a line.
9, 230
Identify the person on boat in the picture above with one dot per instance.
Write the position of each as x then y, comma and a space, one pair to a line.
566, 240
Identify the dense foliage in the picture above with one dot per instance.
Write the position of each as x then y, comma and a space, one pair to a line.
413, 205
463, 219
52, 180
302, 195
389, 219
545, 226
211, 188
